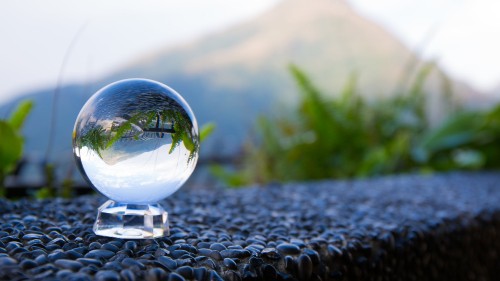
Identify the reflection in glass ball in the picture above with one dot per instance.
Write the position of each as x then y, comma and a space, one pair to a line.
136, 141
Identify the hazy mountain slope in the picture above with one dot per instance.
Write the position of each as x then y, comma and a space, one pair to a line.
325, 37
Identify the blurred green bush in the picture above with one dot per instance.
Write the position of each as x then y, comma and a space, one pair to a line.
11, 141
349, 136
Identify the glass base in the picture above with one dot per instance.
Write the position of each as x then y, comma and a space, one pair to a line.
131, 221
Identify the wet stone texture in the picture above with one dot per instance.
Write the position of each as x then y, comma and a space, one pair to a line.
443, 227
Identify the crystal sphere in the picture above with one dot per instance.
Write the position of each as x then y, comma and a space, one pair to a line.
136, 141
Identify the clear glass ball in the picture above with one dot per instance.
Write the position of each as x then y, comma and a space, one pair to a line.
136, 141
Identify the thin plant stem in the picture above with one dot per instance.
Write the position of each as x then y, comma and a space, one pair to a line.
53, 117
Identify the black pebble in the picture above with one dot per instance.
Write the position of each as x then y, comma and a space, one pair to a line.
209, 263
52, 247
64, 274
17, 251
32, 236
88, 261
269, 272
130, 245
36, 242
156, 274
305, 267
81, 250
214, 276
13, 245
217, 247
185, 271
179, 253
175, 277
203, 245
200, 273
161, 252
240, 254
89, 269
125, 252
94, 246
107, 275
128, 262
288, 249
232, 275
68, 264
230, 264
256, 262
270, 253
79, 277
313, 255
58, 241
41, 259
72, 254
99, 254
249, 273
43, 268
179, 235
113, 265
127, 275
210, 253
57, 256
110, 247
168, 263
290, 265
28, 264
44, 275
334, 252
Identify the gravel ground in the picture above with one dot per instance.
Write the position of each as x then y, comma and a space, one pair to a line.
443, 227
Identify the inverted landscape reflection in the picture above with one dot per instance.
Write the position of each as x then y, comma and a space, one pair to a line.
136, 141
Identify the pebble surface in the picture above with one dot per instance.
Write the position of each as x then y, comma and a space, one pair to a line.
441, 227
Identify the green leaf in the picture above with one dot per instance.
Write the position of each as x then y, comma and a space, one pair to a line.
11, 147
188, 142
18, 117
44, 193
469, 158
455, 132
231, 179
206, 130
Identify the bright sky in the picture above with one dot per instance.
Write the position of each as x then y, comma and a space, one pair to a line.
464, 34
35, 35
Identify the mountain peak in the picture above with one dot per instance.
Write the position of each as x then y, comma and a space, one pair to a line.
305, 9
253, 42
325, 37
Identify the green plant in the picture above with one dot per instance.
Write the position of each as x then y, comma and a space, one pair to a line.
206, 130
467, 140
348, 136
49, 190
11, 141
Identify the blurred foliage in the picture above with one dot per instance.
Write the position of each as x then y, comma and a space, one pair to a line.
11, 141
206, 130
349, 136
49, 190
